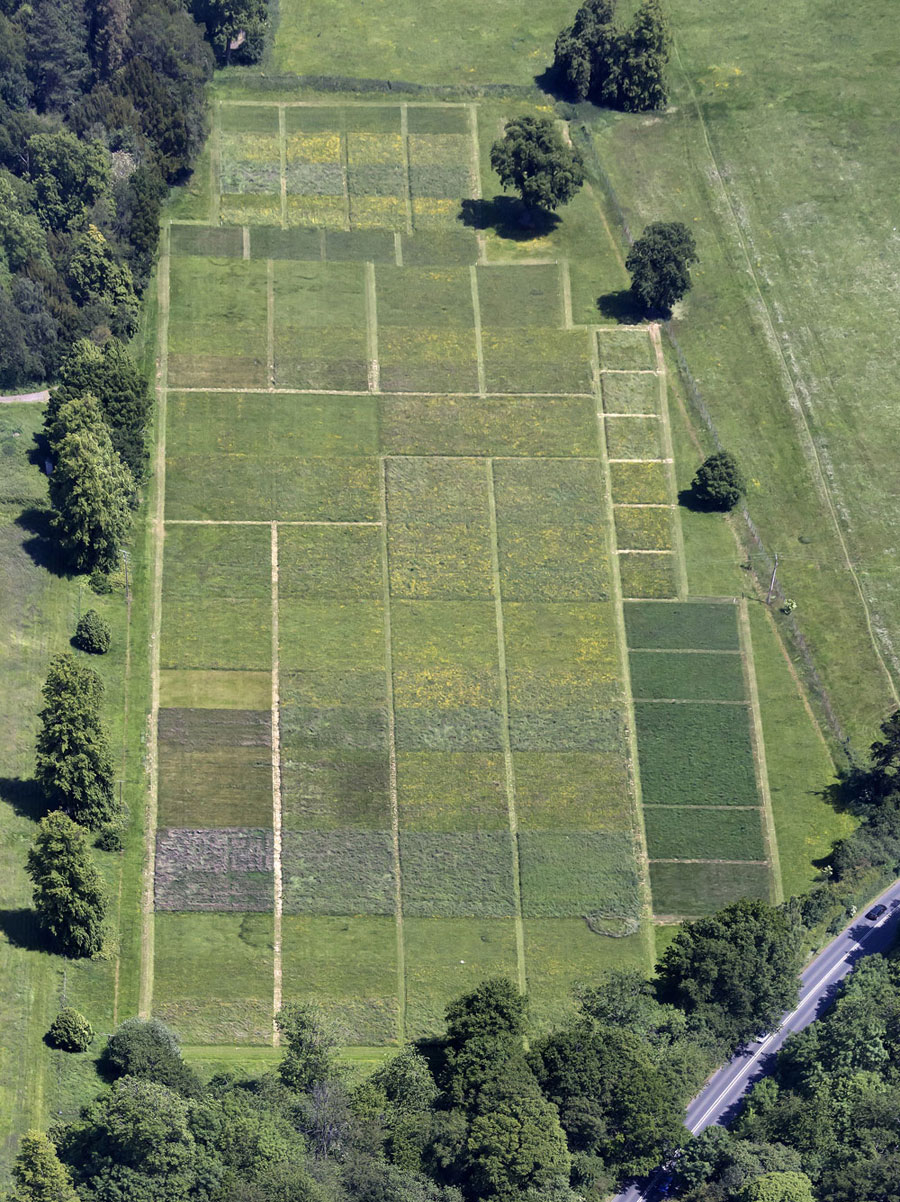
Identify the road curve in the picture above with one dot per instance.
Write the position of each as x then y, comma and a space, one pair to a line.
722, 1096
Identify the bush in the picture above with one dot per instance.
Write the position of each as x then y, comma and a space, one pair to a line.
100, 582
92, 633
719, 483
148, 1049
70, 1031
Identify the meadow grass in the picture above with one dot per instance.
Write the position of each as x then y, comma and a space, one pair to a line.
578, 872
625, 350
633, 438
558, 790
691, 890
561, 953
457, 874
679, 832
338, 872
648, 575
687, 676
636, 483
451, 791
644, 529
629, 392
695, 754
527, 295
681, 626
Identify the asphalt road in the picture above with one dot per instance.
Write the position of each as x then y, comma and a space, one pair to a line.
721, 1098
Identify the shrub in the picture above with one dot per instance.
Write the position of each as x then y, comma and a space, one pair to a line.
70, 1031
719, 482
92, 633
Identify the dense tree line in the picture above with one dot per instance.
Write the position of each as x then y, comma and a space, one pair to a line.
102, 106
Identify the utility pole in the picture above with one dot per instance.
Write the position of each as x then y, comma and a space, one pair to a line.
772, 581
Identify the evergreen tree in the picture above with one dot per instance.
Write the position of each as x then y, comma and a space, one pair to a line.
68, 893
532, 158
57, 60
719, 482
73, 764
38, 1174
89, 488
111, 375
644, 54
586, 54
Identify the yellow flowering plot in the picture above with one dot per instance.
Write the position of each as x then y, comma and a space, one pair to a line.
644, 529
249, 163
573, 790
638, 483
317, 210
433, 360
377, 212
634, 438
561, 654
375, 150
250, 148
429, 212
312, 148
648, 575
250, 209
440, 150
431, 561
553, 563
451, 791
437, 490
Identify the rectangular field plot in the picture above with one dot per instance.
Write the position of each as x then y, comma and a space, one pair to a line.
248, 118
563, 677
427, 360
213, 976
578, 873
228, 562
645, 528
215, 768
437, 119
457, 874
446, 957
572, 791
439, 533
217, 323
443, 248
682, 625
325, 789
212, 241
198, 688
633, 438
319, 562
636, 483
320, 326
630, 393
695, 754
520, 295
536, 361
446, 676
533, 426
691, 890
561, 953
372, 246
347, 965
625, 350
273, 242
451, 791
424, 297
198, 632
339, 872
375, 164
250, 162
686, 833
686, 676
313, 164
225, 870
249, 208
440, 166
648, 574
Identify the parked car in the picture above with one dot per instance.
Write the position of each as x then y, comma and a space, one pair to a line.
876, 912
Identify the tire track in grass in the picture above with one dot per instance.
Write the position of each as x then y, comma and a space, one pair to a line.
278, 887
392, 759
504, 733
145, 993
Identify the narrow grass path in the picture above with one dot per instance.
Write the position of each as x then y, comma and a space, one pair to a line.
278, 901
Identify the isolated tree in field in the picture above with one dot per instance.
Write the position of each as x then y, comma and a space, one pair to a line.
72, 763
70, 1031
644, 54
68, 893
89, 488
92, 633
719, 482
736, 971
38, 1174
660, 263
309, 1056
532, 158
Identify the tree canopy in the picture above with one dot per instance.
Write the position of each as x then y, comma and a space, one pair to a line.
659, 263
621, 68
719, 482
532, 158
68, 893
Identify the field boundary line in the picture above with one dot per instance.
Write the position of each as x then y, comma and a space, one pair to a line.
642, 857
215, 161
282, 168
509, 767
680, 558
662, 460
277, 875
628, 371
641, 504
759, 747
565, 282
260, 391
374, 368
813, 451
263, 522
245, 242
475, 164
476, 315
392, 758
407, 171
653, 415
145, 988
345, 178
686, 860
398, 249
270, 322
645, 551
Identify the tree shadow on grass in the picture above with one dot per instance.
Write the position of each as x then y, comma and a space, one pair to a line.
508, 218
25, 797
689, 499
621, 306
43, 546
22, 930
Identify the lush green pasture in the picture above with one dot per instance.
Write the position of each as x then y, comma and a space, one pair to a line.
695, 833
690, 890
687, 676
682, 626
695, 753
795, 283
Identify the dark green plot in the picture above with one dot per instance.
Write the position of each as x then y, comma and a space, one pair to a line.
695, 754
324, 789
214, 786
437, 119
443, 248
231, 562
273, 242
681, 625
515, 296
248, 118
683, 833
579, 872
338, 872
457, 874
688, 676
690, 890
215, 241
374, 246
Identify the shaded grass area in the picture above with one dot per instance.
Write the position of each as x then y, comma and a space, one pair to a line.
562, 952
